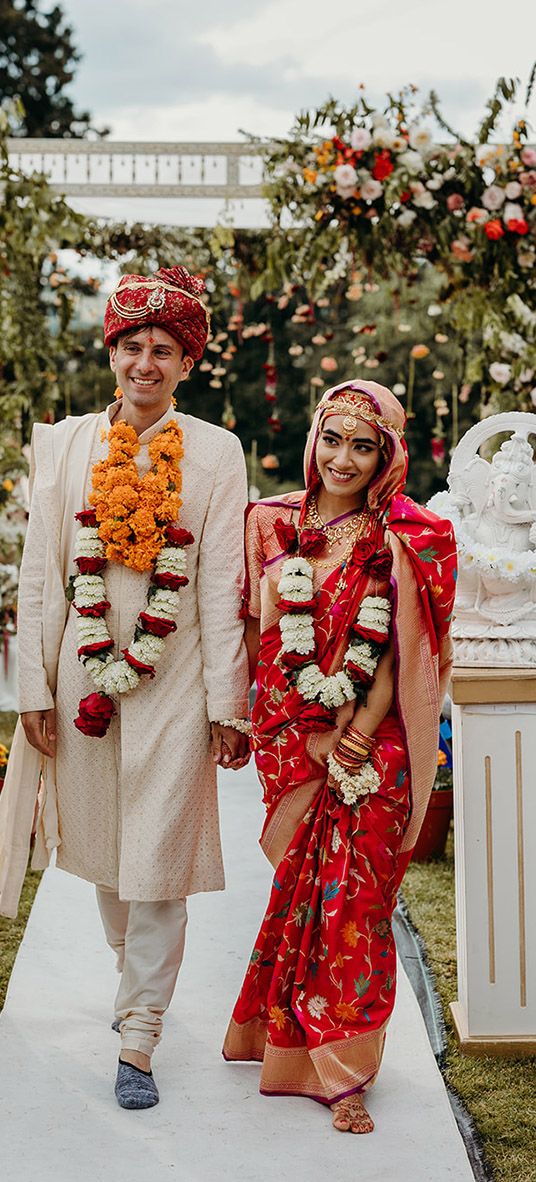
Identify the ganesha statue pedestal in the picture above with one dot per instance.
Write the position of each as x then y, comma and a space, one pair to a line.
494, 741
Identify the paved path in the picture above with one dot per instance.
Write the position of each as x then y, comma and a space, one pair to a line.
59, 1121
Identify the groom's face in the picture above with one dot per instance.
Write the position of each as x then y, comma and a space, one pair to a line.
148, 366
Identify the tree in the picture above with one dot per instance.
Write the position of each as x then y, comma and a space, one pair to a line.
37, 63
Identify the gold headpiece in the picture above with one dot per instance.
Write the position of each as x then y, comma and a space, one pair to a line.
357, 407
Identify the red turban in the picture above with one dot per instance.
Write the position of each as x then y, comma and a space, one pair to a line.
168, 299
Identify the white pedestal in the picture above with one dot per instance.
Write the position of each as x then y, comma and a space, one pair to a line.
494, 738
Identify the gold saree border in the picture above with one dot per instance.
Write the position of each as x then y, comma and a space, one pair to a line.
326, 1073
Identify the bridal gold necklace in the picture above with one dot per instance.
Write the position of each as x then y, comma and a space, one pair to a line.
347, 531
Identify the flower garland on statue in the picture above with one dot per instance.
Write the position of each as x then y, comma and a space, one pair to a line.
131, 522
485, 558
370, 634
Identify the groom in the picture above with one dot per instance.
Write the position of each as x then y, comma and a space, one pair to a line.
137, 690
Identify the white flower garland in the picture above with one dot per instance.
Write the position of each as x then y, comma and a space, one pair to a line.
351, 786
117, 676
485, 558
297, 635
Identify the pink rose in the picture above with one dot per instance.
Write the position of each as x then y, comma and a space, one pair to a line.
528, 156
513, 190
455, 201
493, 197
528, 179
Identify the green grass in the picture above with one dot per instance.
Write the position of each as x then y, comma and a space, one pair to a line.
12, 931
500, 1094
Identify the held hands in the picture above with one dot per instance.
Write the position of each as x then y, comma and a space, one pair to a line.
230, 749
40, 730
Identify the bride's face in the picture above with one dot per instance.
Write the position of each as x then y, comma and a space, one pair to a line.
347, 463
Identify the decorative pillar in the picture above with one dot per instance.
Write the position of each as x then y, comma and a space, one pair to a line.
494, 746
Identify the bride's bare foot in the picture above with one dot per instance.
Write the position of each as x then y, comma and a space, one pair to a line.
351, 1116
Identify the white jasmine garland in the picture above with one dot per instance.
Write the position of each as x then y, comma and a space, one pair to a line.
362, 655
297, 635
88, 543
295, 586
171, 559
112, 676
336, 690
309, 681
352, 786
243, 725
89, 590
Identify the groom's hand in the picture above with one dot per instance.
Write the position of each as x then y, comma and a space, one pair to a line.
230, 748
40, 730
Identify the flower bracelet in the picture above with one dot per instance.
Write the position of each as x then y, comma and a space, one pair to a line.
243, 725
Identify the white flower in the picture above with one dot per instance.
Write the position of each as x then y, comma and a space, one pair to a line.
295, 587
434, 309
412, 162
172, 559
91, 631
493, 197
297, 566
513, 190
500, 372
361, 654
309, 681
420, 139
360, 139
350, 787
375, 612
399, 389
297, 633
316, 1005
512, 213
88, 543
435, 182
89, 589
513, 342
336, 690
421, 197
164, 603
147, 649
345, 177
383, 137
406, 217
490, 155
371, 190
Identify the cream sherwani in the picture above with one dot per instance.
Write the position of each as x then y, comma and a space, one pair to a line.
136, 811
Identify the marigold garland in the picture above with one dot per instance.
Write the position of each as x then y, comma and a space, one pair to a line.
132, 511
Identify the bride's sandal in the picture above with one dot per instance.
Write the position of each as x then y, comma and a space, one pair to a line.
351, 1116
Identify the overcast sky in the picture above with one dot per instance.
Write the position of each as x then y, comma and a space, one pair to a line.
172, 70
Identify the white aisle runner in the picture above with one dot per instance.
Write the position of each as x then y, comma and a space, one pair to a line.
59, 1121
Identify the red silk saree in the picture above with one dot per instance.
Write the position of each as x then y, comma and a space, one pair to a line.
320, 986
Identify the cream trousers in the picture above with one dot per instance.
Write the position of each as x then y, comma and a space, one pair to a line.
148, 939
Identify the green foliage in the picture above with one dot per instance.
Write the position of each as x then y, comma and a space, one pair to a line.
37, 63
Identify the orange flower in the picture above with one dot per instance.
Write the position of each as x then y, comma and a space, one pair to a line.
339, 960
419, 351
310, 175
132, 511
277, 1016
345, 1011
441, 759
350, 933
